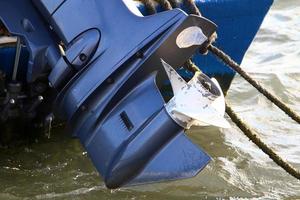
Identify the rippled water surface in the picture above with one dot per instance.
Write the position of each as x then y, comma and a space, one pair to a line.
59, 169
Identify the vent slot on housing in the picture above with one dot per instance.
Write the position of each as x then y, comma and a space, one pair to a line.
126, 121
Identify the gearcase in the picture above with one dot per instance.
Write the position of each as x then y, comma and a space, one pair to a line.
107, 68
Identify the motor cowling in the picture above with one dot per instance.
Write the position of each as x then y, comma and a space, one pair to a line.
108, 77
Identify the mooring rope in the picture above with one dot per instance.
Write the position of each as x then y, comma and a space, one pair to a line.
191, 66
231, 63
264, 147
165, 4
150, 8
174, 3
236, 67
190, 4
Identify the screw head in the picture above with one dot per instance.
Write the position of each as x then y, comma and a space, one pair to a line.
40, 98
82, 57
12, 101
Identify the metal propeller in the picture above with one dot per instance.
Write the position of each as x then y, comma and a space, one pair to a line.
199, 102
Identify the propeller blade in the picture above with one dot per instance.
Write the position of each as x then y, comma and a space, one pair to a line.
200, 102
177, 82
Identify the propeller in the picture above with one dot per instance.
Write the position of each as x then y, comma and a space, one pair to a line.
199, 102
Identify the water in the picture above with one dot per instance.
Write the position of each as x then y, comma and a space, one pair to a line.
59, 169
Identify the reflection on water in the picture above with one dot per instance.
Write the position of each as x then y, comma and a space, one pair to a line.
59, 169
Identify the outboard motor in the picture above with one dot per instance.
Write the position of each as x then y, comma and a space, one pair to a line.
107, 67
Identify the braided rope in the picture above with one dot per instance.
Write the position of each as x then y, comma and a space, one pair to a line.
236, 67
191, 66
264, 147
165, 4
192, 7
174, 3
150, 8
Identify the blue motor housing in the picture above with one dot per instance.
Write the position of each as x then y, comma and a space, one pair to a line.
112, 98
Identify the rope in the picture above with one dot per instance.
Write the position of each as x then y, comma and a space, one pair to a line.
264, 147
150, 8
174, 3
165, 4
236, 67
189, 65
190, 4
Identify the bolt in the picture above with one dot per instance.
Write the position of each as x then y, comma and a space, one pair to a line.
40, 98
12, 101
82, 57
